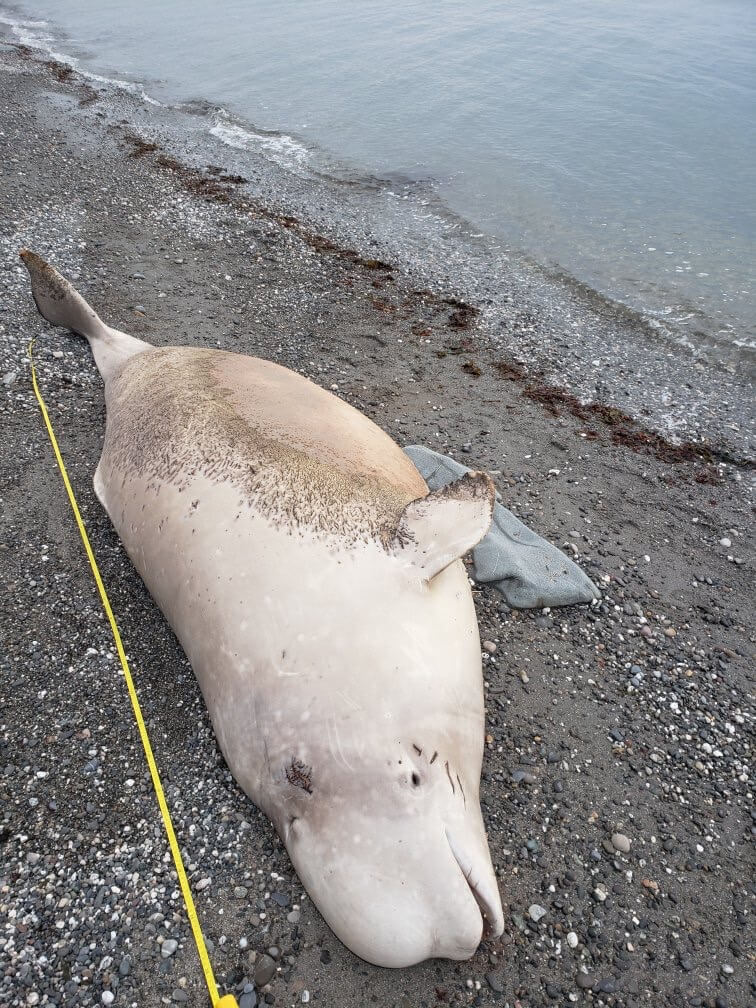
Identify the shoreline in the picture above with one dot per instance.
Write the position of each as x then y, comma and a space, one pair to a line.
632, 716
537, 318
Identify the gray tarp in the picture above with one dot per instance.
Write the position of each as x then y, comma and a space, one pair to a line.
528, 571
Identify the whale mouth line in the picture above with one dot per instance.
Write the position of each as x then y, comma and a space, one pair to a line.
488, 911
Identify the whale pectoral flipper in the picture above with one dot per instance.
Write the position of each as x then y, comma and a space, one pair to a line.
62, 305
440, 528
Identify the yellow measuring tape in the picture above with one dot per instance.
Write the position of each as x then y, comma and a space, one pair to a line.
228, 1000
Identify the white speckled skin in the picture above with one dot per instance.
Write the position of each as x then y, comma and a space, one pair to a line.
344, 689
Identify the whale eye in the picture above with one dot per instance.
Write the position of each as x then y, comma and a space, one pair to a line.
416, 780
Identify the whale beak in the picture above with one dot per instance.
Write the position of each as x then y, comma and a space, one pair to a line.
482, 885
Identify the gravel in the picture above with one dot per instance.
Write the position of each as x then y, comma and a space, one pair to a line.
600, 722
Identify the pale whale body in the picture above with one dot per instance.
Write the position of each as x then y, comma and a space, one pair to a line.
318, 594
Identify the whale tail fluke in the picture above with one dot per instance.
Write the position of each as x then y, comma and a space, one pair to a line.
62, 305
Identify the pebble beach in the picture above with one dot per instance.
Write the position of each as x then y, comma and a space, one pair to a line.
616, 783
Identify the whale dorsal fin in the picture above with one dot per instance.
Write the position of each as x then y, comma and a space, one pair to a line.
440, 528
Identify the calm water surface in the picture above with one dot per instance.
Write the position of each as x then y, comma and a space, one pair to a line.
612, 141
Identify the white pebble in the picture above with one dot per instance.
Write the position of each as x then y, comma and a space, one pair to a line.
621, 843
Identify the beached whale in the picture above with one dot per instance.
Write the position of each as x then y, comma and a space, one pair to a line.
316, 587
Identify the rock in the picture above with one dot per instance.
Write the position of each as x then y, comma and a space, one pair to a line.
489, 646
725, 542
621, 843
179, 996
248, 1000
572, 939
265, 969
494, 981
168, 947
584, 981
107, 997
523, 777
536, 912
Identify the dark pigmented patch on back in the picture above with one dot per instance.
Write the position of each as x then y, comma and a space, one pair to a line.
299, 774
171, 419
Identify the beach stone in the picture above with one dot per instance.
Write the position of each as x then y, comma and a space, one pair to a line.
523, 777
572, 939
168, 947
536, 912
107, 997
265, 969
495, 982
584, 981
621, 843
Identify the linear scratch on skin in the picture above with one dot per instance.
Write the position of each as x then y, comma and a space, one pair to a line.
448, 774
464, 798
350, 701
433, 757
334, 743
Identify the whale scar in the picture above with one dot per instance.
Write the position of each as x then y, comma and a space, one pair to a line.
417, 749
299, 774
433, 757
464, 798
448, 774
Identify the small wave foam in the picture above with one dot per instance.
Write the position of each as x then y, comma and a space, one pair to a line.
37, 35
279, 147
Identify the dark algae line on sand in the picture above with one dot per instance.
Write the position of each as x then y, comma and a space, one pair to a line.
214, 184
